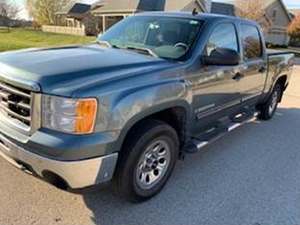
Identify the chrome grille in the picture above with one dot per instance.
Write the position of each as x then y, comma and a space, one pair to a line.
15, 105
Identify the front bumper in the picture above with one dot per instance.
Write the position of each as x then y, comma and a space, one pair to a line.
77, 174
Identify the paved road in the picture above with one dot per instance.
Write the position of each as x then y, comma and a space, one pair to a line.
252, 176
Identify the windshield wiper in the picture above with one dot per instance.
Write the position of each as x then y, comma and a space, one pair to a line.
106, 43
143, 50
148, 51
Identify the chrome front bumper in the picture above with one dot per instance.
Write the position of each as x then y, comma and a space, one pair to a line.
77, 174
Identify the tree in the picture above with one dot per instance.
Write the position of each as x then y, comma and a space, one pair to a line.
253, 10
294, 31
9, 9
8, 12
294, 28
44, 12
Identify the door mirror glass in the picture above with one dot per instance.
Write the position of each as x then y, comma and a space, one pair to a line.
222, 47
222, 57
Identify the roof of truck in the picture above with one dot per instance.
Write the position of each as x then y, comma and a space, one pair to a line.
189, 15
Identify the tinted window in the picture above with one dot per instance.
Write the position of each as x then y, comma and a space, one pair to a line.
251, 42
223, 36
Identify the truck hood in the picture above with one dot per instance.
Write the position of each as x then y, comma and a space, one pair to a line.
63, 70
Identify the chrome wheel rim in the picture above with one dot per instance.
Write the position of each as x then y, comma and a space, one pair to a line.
153, 164
273, 102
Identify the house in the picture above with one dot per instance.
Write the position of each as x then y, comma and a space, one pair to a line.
280, 18
77, 15
276, 19
223, 8
4, 21
110, 12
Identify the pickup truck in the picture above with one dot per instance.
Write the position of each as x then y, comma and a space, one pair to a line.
154, 87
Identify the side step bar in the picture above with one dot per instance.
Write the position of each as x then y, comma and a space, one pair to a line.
217, 132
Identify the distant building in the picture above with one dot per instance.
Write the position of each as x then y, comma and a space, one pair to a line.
280, 18
77, 15
4, 21
110, 12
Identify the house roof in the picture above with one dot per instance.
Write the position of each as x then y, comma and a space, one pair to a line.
269, 2
110, 6
223, 8
75, 9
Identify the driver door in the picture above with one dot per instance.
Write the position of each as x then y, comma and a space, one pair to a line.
216, 91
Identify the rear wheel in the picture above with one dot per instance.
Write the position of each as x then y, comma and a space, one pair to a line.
147, 160
268, 110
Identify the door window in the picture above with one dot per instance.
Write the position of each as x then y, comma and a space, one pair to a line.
223, 36
251, 42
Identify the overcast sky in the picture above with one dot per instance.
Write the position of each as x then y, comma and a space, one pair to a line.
23, 14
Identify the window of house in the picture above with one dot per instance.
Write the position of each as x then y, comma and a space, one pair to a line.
251, 42
274, 13
223, 36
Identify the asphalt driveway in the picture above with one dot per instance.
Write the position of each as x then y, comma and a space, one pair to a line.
251, 176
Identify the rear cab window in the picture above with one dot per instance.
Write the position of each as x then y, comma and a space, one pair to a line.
251, 42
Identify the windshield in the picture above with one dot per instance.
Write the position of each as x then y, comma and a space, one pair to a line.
164, 37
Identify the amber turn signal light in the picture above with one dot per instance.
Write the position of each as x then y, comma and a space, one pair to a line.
86, 112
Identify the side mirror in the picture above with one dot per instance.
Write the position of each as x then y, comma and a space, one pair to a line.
222, 57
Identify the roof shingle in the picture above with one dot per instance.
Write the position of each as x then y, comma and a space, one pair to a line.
223, 8
75, 8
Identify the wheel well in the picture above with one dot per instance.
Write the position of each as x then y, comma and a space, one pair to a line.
175, 117
282, 81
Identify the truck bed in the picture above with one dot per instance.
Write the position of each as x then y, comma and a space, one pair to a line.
280, 63
272, 52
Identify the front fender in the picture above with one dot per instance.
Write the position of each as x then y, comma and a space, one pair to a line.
133, 106
143, 102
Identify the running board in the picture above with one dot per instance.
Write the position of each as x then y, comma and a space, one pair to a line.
216, 133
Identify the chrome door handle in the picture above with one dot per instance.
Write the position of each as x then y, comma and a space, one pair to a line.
238, 76
262, 69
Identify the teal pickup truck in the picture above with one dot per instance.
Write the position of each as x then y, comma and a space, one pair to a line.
157, 85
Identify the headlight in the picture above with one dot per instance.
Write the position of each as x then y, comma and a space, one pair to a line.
69, 115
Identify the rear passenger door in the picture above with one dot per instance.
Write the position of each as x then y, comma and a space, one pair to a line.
254, 64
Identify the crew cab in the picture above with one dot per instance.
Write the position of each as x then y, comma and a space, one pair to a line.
154, 87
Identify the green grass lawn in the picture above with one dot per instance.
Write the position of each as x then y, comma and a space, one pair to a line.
26, 38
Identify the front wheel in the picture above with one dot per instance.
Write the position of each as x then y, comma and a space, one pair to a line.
268, 110
147, 160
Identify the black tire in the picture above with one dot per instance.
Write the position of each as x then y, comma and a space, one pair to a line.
144, 135
268, 109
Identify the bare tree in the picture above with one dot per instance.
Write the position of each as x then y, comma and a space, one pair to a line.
294, 27
44, 12
253, 10
8, 12
294, 31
